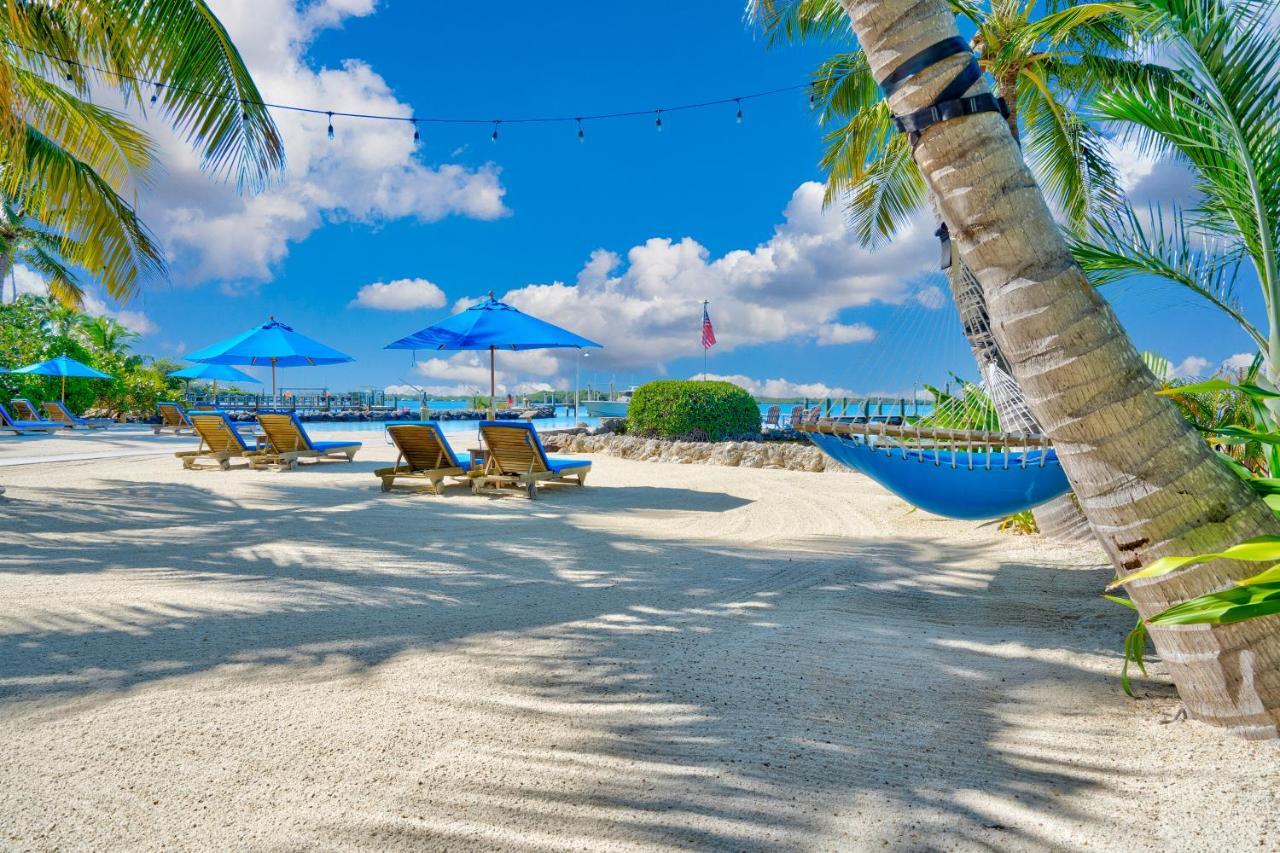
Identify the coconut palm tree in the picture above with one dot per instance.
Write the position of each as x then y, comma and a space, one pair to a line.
106, 335
74, 166
1047, 62
1149, 485
22, 240
1216, 113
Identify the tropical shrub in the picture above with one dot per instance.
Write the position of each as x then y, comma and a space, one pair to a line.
34, 329
706, 411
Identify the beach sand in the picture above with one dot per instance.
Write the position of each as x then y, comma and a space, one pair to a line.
674, 656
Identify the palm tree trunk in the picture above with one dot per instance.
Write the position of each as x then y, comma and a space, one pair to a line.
1148, 483
1060, 519
6, 267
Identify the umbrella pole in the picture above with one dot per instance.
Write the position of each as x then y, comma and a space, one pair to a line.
64, 390
493, 385
273, 382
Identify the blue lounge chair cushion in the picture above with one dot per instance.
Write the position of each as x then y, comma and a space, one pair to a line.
556, 464
322, 446
318, 446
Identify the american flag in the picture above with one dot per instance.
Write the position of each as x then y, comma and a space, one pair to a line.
708, 333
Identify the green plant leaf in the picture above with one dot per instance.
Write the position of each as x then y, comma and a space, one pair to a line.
1260, 549
1221, 608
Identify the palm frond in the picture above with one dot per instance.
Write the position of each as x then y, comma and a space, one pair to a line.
886, 194
102, 232
798, 20
1068, 155
117, 150
207, 95
1122, 246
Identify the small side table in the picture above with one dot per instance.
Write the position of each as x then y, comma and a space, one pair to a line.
479, 456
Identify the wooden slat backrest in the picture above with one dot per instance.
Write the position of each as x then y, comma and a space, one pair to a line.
216, 434
26, 412
512, 449
171, 415
57, 413
420, 447
284, 435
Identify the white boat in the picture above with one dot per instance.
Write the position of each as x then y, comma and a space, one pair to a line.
606, 408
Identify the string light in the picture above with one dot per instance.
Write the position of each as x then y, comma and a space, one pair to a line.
578, 120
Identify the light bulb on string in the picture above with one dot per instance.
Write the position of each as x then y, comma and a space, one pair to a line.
582, 136
658, 122
417, 137
738, 101
155, 96
330, 132
493, 137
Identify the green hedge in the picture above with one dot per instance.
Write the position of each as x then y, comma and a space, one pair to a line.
702, 411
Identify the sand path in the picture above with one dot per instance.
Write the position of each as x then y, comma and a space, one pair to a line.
676, 656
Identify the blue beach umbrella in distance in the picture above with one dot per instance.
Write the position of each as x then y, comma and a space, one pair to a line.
492, 325
272, 343
214, 372
63, 366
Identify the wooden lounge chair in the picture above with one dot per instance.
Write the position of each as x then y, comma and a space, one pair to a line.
517, 458
26, 411
287, 442
771, 418
20, 427
425, 454
219, 442
172, 417
60, 414
797, 416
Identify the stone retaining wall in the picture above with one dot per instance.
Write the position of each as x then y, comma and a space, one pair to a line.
791, 456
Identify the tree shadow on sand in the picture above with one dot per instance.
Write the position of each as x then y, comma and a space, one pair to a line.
713, 694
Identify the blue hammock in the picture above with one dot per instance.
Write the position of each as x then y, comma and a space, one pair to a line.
943, 482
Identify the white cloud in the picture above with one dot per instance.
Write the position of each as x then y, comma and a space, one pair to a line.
28, 281
1191, 367
779, 387
840, 333
369, 173
648, 310
468, 372
1239, 361
403, 294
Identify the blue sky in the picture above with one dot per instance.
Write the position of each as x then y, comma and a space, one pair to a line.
618, 238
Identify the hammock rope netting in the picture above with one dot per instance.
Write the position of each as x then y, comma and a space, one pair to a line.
974, 453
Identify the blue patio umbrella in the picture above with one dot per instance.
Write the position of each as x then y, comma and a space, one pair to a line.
272, 343
214, 372
492, 325
63, 366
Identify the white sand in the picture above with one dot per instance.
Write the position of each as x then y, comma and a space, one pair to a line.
675, 656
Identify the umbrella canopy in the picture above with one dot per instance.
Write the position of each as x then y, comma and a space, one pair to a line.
63, 366
214, 372
492, 325
272, 343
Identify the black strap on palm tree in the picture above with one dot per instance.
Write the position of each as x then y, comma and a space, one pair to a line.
950, 103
